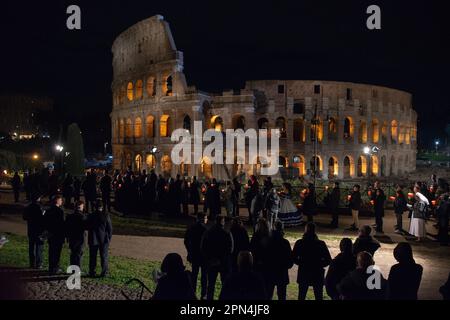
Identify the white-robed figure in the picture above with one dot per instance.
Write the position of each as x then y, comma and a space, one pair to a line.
289, 213
418, 215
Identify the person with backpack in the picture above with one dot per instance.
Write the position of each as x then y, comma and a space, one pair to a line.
399, 207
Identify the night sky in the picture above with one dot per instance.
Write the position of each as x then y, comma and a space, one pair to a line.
226, 43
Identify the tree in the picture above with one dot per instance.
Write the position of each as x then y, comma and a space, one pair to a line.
75, 151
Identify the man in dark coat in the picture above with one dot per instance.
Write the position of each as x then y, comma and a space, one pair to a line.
34, 217
99, 237
400, 206
67, 190
54, 224
106, 188
194, 195
365, 242
237, 196
312, 256
309, 206
443, 213
241, 241
404, 277
280, 262
16, 184
244, 284
212, 199
27, 185
217, 246
333, 205
355, 205
192, 242
378, 199
75, 232
89, 187
340, 266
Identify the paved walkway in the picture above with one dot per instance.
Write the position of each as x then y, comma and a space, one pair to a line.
434, 259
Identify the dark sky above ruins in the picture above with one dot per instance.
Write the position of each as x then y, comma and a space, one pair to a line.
226, 43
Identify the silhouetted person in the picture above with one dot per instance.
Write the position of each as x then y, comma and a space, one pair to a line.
399, 207
244, 284
241, 241
405, 277
355, 285
192, 242
175, 284
89, 187
355, 205
445, 289
54, 224
105, 189
237, 195
76, 189
340, 266
378, 205
194, 194
16, 184
185, 197
216, 246
27, 185
312, 256
34, 217
259, 247
67, 190
251, 192
443, 213
75, 233
333, 205
99, 237
52, 185
212, 199
279, 263
365, 242
309, 203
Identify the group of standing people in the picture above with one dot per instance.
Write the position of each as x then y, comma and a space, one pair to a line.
52, 225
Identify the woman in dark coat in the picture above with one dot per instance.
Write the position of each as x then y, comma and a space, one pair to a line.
312, 256
399, 207
405, 277
194, 195
280, 262
175, 284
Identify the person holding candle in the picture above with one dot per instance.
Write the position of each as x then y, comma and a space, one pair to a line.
418, 215
355, 205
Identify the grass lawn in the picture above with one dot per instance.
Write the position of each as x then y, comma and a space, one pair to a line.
15, 254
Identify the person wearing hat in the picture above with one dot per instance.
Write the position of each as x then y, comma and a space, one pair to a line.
99, 236
75, 233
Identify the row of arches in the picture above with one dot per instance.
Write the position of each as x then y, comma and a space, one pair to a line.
135, 90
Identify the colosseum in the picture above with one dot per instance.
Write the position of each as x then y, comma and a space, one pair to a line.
328, 129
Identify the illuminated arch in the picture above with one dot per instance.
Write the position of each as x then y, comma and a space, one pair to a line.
187, 123
129, 128
166, 165
139, 89
280, 124
362, 166
138, 127
298, 161
206, 168
164, 126
216, 123
150, 161
318, 164
394, 131
238, 122
383, 166
128, 159
362, 136
121, 129
316, 127
332, 129
151, 86
333, 167
349, 167
348, 128
149, 126
138, 162
384, 132
130, 92
374, 165
168, 86
375, 131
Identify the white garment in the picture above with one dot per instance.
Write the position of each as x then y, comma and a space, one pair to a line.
417, 228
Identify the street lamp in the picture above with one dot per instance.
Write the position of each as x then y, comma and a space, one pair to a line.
436, 144
35, 156
59, 148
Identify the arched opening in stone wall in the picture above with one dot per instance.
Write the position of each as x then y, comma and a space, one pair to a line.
138, 163
206, 168
139, 89
129, 128
130, 92
362, 136
374, 165
384, 133
151, 86
138, 127
299, 163
150, 161
316, 130
348, 167
263, 123
375, 131
394, 131
165, 128
315, 165
123, 94
362, 166
299, 131
238, 122
401, 134
150, 126
217, 123
282, 162
121, 129
408, 135
332, 129
183, 169
281, 125
348, 128
187, 123
166, 165
392, 166
168, 86
333, 168
128, 160
383, 166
